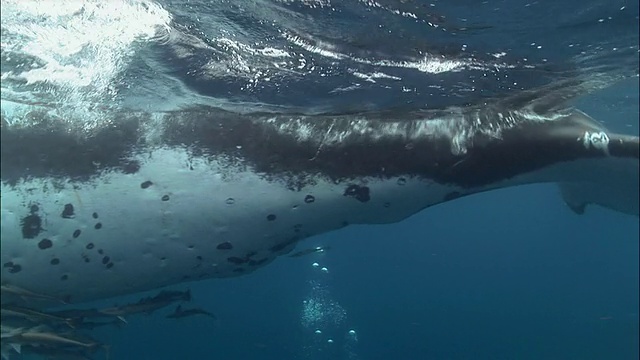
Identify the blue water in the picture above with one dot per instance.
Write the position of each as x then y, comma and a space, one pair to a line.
510, 274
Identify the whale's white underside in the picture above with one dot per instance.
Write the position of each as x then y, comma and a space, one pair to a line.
153, 243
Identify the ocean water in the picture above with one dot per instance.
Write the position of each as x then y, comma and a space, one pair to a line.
509, 274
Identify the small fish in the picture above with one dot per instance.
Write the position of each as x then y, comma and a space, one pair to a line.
180, 313
90, 325
65, 352
78, 313
34, 315
131, 309
172, 295
150, 304
6, 350
8, 289
36, 338
9, 331
317, 249
81, 315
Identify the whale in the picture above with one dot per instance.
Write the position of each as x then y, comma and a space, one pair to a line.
147, 200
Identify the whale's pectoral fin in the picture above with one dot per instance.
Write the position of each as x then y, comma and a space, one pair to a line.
571, 196
578, 195
612, 182
617, 191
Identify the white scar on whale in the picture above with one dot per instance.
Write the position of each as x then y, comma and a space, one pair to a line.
207, 193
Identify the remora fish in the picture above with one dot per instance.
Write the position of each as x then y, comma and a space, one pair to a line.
40, 338
8, 289
150, 304
79, 313
34, 315
179, 312
310, 251
150, 200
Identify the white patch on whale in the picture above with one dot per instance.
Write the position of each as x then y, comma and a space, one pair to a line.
153, 243
597, 140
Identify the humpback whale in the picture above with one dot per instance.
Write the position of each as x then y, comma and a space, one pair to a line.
148, 200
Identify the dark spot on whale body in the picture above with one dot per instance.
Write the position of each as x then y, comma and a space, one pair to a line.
402, 181
68, 212
360, 193
64, 277
386, 204
34, 208
309, 199
94, 215
90, 246
76, 233
452, 195
165, 198
225, 246
45, 244
105, 260
98, 226
146, 184
271, 217
236, 260
54, 261
31, 226
12, 267
109, 265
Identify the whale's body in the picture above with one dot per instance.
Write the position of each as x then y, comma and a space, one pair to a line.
152, 200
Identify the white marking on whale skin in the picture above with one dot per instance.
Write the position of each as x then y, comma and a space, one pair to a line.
597, 140
458, 127
153, 243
